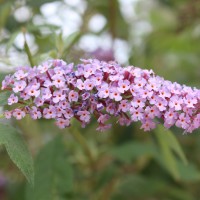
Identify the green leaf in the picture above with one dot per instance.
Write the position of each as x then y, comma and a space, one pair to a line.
70, 40
188, 172
132, 150
11, 40
45, 56
17, 150
4, 95
2, 76
45, 42
138, 186
59, 43
105, 176
145, 187
53, 174
173, 143
168, 156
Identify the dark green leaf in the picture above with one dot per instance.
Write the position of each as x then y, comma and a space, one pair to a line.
139, 186
17, 150
132, 150
53, 174
105, 176
188, 172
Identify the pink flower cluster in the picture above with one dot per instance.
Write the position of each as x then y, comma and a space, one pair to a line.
61, 91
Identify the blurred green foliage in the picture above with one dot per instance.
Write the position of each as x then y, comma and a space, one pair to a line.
123, 163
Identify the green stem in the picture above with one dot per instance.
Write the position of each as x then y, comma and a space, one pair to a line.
112, 18
27, 49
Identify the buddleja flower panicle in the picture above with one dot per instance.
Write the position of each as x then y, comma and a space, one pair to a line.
61, 91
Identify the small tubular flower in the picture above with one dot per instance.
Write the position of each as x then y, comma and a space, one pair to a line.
101, 90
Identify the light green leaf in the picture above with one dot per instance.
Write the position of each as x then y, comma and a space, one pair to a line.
168, 156
11, 40
45, 56
17, 150
173, 143
68, 43
53, 174
59, 43
71, 40
169, 144
4, 97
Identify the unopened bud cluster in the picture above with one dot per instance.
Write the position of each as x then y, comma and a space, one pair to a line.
61, 91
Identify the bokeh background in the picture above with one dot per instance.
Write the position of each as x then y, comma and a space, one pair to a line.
123, 163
